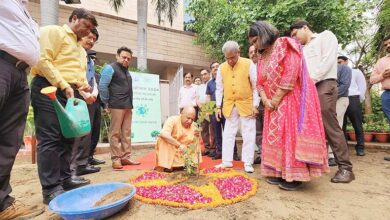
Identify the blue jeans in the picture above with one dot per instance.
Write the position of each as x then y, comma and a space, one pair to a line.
386, 103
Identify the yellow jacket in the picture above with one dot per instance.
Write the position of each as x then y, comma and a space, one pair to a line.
237, 87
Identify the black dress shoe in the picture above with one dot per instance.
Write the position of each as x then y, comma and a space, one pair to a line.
86, 170
274, 180
387, 158
360, 152
205, 153
48, 198
211, 154
166, 170
217, 156
73, 183
332, 162
236, 157
94, 161
290, 186
257, 160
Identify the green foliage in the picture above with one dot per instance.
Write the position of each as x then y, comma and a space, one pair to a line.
193, 150
163, 8
105, 123
377, 121
383, 22
220, 20
369, 127
349, 127
30, 126
205, 112
116, 4
166, 8
377, 112
154, 134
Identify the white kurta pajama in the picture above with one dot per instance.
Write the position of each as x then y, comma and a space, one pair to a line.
237, 115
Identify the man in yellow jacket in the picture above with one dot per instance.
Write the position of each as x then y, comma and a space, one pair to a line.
236, 85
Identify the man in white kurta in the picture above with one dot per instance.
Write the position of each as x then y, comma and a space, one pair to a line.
236, 85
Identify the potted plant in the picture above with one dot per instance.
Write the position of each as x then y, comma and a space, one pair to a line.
382, 131
368, 129
351, 133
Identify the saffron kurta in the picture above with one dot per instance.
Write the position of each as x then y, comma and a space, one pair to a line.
168, 155
293, 145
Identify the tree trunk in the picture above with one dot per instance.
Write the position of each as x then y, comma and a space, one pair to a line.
49, 12
367, 101
142, 17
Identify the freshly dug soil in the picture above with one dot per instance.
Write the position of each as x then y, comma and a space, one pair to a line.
197, 181
190, 180
367, 197
114, 196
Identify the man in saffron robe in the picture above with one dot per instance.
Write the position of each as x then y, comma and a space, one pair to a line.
178, 133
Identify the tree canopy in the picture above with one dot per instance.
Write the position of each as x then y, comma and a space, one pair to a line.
383, 22
220, 20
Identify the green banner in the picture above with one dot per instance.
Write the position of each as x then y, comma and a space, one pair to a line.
146, 121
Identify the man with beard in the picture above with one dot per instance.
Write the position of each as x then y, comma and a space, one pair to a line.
116, 92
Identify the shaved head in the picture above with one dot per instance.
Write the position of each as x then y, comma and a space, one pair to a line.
187, 116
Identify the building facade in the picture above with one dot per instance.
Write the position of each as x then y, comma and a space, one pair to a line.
168, 47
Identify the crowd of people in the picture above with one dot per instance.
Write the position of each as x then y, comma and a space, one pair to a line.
290, 101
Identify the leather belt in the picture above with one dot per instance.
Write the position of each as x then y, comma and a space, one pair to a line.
20, 65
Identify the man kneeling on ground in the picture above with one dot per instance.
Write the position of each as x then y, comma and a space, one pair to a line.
178, 133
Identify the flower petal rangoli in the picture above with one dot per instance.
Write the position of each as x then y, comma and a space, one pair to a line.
217, 186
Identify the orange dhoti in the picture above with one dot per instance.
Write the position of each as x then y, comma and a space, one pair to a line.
169, 155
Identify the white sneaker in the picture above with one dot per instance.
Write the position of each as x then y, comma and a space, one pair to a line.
224, 165
248, 168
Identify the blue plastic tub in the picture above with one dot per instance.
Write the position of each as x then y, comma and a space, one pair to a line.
78, 203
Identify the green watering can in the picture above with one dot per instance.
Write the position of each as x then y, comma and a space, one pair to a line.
74, 119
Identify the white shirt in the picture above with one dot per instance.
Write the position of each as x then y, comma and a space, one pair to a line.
253, 79
187, 96
253, 72
201, 92
321, 56
358, 85
19, 32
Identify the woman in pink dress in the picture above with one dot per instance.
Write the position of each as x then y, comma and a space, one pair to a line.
293, 147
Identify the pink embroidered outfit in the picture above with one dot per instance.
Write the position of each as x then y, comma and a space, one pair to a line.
293, 146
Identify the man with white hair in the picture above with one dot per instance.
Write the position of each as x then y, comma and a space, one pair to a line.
237, 85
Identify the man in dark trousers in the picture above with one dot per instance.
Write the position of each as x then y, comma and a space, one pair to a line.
63, 64
260, 117
95, 116
81, 150
356, 95
217, 124
16, 55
